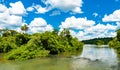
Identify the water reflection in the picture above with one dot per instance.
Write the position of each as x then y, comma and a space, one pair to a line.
104, 54
92, 58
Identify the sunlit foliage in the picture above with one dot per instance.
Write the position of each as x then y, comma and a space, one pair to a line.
22, 46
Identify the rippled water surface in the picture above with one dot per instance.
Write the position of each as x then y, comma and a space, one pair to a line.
92, 58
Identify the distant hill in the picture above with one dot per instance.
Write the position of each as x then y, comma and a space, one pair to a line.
95, 40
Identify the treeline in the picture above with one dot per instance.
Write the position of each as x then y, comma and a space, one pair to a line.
97, 41
115, 43
23, 46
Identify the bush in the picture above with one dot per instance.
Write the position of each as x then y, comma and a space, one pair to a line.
24, 46
7, 44
23, 53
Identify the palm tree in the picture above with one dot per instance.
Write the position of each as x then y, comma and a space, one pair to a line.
24, 28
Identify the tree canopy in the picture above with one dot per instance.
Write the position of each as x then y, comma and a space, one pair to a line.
24, 28
22, 46
115, 43
104, 41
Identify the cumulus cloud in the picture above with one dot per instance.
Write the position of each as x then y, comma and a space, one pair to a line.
30, 9
38, 22
38, 9
76, 23
41, 9
112, 17
100, 29
11, 17
65, 5
17, 8
87, 29
73, 6
2, 8
12, 20
97, 31
39, 25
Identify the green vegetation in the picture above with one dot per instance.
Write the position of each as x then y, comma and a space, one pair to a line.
115, 43
24, 28
98, 41
22, 46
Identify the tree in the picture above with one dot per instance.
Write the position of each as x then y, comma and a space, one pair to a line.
55, 32
99, 42
19, 46
118, 35
115, 43
24, 28
21, 39
13, 32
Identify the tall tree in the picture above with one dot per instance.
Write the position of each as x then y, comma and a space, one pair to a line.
118, 34
24, 28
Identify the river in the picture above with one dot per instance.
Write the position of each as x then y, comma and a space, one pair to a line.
91, 58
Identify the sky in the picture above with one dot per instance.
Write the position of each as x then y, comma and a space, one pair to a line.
85, 19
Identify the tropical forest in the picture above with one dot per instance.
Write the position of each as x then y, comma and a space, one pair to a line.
23, 46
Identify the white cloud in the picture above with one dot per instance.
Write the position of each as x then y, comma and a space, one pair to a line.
115, 16
49, 28
7, 19
95, 14
38, 22
14, 20
99, 29
40, 9
65, 5
10, 19
30, 9
76, 23
17, 8
77, 10
54, 13
87, 29
72, 6
118, 25
40, 25
2, 8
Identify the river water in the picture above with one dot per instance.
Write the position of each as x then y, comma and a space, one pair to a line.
92, 58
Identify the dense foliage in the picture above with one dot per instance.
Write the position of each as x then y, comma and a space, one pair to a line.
115, 43
98, 41
22, 46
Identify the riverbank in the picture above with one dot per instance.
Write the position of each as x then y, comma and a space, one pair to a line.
22, 46
107, 60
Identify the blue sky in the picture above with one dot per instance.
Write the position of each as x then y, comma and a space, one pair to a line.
86, 19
